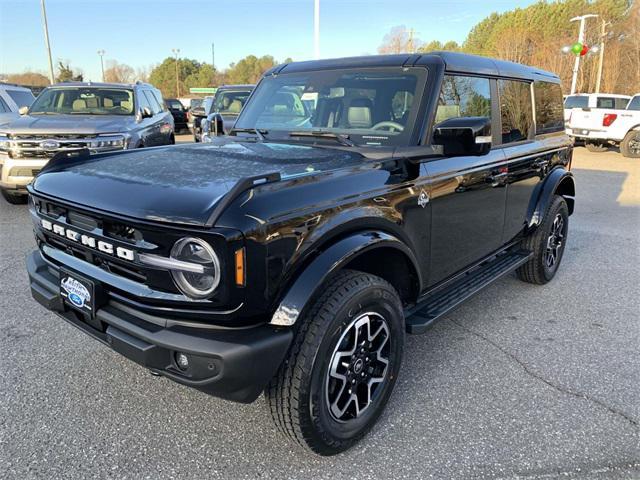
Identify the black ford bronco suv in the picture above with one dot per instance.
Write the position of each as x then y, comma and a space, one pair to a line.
354, 200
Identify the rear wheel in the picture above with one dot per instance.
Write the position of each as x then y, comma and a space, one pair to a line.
547, 243
630, 146
14, 198
342, 366
596, 147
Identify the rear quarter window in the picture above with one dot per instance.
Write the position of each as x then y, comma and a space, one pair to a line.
549, 111
634, 104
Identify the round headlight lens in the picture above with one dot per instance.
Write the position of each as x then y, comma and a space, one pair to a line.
196, 285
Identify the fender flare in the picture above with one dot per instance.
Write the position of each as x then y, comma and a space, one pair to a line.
559, 177
326, 263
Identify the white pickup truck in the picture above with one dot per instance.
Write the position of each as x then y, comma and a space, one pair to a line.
599, 128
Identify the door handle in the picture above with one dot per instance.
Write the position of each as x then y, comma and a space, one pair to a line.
497, 179
540, 164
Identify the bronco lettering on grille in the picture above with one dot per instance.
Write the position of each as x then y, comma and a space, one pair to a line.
105, 247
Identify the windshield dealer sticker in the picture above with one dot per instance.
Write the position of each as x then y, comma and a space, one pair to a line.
76, 292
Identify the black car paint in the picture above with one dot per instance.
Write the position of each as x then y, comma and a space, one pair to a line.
179, 114
334, 207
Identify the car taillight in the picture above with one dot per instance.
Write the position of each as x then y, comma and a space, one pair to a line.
608, 119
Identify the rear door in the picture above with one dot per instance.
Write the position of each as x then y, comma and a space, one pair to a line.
467, 192
528, 145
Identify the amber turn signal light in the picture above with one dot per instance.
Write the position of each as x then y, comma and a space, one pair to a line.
240, 274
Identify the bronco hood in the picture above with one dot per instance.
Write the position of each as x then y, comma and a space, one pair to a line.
179, 184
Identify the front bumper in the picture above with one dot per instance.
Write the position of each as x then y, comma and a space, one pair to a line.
235, 364
17, 173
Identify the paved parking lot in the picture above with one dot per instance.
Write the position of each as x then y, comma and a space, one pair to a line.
521, 382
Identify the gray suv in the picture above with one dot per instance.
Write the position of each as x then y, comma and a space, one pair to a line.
98, 117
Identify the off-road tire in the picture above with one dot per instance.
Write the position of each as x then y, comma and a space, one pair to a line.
625, 145
596, 147
14, 199
296, 396
536, 270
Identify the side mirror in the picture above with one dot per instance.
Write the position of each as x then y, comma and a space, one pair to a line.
213, 125
146, 112
198, 111
23, 110
464, 136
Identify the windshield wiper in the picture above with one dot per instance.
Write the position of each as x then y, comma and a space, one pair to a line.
342, 139
256, 131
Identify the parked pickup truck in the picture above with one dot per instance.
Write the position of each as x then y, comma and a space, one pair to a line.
600, 128
292, 256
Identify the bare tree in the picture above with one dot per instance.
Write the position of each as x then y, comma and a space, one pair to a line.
118, 72
399, 40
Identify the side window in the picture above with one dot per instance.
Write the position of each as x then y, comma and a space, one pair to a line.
158, 97
142, 100
634, 104
621, 103
515, 110
549, 111
4, 108
464, 97
153, 103
605, 102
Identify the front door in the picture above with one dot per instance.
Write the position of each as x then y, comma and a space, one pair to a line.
468, 194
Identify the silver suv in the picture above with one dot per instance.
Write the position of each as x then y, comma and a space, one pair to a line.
68, 117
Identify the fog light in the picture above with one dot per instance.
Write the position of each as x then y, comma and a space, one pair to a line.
182, 361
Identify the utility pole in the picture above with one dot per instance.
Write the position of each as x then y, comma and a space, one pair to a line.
46, 39
410, 42
576, 65
101, 53
603, 34
316, 29
213, 55
176, 51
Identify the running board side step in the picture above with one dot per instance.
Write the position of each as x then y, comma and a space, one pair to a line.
435, 305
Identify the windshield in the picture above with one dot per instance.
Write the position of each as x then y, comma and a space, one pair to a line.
84, 101
369, 106
575, 101
230, 101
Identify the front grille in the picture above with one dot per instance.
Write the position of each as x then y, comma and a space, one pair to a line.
45, 146
96, 228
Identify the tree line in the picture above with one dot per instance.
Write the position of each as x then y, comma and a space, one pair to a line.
536, 34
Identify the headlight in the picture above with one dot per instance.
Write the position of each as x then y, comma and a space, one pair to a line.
109, 142
200, 281
5, 143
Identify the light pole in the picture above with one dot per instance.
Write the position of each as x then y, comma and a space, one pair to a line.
176, 52
576, 65
603, 34
46, 39
316, 29
101, 53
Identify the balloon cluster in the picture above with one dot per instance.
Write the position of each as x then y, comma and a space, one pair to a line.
579, 49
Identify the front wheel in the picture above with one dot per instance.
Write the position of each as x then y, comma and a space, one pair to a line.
342, 366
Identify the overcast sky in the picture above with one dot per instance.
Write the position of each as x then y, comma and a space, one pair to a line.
143, 32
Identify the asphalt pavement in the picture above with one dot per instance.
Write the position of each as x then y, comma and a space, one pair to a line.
523, 381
